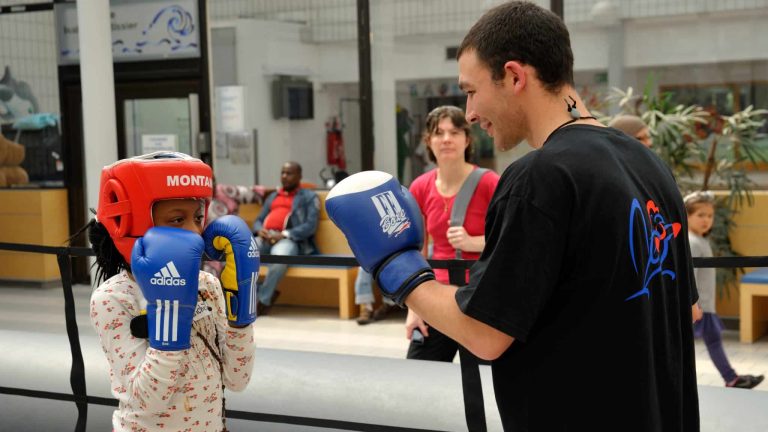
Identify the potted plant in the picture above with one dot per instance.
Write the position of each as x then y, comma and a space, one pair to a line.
705, 151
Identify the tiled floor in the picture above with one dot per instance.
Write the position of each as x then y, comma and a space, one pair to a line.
320, 330
745, 359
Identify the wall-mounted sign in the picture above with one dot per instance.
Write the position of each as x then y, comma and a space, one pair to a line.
230, 108
141, 30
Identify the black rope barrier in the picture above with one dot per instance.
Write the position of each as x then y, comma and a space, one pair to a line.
731, 262
77, 374
66, 397
307, 260
231, 414
321, 423
348, 261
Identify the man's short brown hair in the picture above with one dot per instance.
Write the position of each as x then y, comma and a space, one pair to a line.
527, 33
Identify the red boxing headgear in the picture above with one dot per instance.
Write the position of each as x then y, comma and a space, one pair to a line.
130, 187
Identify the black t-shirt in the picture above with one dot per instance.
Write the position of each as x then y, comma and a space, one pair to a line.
587, 266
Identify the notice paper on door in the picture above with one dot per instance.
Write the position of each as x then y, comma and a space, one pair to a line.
153, 143
240, 147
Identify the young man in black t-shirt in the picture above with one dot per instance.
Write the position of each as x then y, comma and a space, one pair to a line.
582, 296
587, 266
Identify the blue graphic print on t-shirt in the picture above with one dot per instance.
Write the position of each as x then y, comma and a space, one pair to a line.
657, 233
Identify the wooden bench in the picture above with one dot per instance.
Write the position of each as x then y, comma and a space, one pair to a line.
329, 286
753, 321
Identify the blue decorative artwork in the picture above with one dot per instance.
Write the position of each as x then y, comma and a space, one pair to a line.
141, 30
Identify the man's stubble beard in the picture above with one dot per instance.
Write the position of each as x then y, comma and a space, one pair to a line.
514, 135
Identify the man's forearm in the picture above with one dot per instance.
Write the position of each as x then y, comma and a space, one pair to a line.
436, 304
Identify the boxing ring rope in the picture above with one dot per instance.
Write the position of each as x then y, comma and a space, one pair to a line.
77, 374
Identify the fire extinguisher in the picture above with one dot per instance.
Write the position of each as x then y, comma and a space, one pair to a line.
335, 144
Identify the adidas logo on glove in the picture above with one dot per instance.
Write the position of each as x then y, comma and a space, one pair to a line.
168, 275
253, 250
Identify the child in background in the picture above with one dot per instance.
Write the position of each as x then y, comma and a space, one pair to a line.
700, 207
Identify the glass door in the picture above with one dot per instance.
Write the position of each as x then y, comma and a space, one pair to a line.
156, 124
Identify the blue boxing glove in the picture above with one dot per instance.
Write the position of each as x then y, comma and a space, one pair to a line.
228, 237
383, 225
166, 264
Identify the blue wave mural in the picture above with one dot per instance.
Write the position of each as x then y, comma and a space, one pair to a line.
171, 28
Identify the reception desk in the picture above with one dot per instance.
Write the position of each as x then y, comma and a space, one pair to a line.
32, 216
